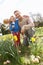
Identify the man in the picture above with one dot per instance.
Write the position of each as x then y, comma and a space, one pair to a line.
26, 24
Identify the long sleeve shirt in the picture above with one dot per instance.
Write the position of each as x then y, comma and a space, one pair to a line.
26, 23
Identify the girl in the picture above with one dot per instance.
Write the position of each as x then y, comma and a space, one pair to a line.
15, 29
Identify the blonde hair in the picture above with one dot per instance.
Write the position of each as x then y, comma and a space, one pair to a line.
6, 21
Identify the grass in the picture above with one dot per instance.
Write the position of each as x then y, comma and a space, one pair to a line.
23, 55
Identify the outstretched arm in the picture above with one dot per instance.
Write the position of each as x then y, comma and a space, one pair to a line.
29, 25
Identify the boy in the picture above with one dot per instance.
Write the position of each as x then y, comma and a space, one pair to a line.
5, 27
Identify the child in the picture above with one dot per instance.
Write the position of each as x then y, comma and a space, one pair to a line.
15, 29
5, 27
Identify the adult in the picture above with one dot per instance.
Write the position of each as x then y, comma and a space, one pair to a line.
26, 24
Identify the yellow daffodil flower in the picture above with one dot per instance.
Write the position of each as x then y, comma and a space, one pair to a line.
15, 38
4, 39
33, 39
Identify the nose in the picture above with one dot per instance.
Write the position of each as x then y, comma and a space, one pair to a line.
17, 16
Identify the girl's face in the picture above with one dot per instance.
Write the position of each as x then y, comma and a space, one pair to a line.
12, 19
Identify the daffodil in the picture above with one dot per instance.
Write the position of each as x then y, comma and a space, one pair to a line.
4, 63
10, 36
36, 60
0, 54
33, 39
8, 61
39, 57
21, 40
3, 37
15, 38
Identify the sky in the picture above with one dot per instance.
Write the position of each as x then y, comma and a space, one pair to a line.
7, 7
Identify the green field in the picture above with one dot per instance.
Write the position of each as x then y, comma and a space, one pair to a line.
23, 55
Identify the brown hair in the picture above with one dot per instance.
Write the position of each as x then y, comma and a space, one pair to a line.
16, 11
13, 18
